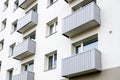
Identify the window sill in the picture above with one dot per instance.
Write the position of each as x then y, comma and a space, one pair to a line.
50, 34
52, 4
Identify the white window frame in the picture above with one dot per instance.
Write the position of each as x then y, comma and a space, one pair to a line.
16, 5
9, 74
54, 62
26, 66
3, 26
14, 26
1, 44
50, 2
52, 27
6, 3
29, 36
11, 49
81, 43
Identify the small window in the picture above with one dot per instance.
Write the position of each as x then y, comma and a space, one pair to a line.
3, 25
52, 26
16, 5
86, 45
1, 44
5, 5
28, 66
11, 49
14, 26
50, 2
31, 36
9, 74
51, 60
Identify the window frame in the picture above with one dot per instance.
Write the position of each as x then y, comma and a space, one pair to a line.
29, 36
2, 44
51, 27
3, 25
53, 64
10, 74
82, 42
26, 66
6, 4
11, 49
14, 26
49, 3
16, 5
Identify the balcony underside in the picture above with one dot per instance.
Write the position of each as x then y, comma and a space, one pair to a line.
25, 3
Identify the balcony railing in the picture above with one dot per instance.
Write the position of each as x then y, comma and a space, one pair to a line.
83, 63
25, 3
24, 49
27, 75
27, 22
81, 20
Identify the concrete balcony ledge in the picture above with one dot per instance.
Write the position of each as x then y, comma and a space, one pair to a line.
25, 3
27, 22
83, 19
24, 49
69, 1
83, 63
26, 75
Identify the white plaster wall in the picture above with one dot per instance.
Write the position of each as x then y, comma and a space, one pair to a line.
108, 43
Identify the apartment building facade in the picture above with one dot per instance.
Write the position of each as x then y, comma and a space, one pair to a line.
59, 40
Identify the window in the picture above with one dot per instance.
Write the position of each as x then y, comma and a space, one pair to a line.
14, 26
1, 44
29, 66
3, 25
9, 74
31, 36
51, 27
86, 45
51, 60
15, 5
50, 2
11, 48
5, 5
34, 8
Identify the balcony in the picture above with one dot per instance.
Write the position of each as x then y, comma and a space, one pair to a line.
24, 49
27, 75
27, 22
25, 3
83, 19
83, 63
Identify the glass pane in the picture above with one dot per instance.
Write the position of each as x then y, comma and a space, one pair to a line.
10, 75
32, 36
78, 49
55, 60
50, 62
31, 67
51, 28
90, 44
